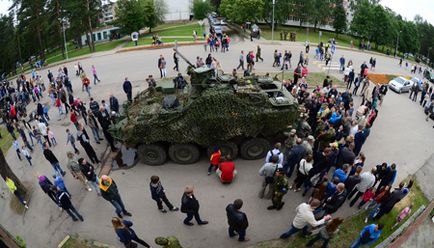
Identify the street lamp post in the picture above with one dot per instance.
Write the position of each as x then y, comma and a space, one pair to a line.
397, 42
272, 25
64, 38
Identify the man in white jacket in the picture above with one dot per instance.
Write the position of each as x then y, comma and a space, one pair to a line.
304, 218
367, 181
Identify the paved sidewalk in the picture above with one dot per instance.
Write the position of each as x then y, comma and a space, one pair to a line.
400, 134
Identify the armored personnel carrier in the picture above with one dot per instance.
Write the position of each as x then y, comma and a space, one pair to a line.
239, 116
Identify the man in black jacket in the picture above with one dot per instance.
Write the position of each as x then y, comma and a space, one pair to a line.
128, 89
109, 191
190, 206
333, 203
64, 201
114, 103
237, 220
49, 155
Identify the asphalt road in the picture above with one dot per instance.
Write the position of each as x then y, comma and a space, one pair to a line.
400, 134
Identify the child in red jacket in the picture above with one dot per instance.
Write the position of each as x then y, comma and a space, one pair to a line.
368, 195
214, 160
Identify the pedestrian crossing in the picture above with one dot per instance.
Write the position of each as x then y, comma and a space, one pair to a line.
332, 66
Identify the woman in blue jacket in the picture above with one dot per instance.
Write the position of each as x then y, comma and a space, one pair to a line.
126, 234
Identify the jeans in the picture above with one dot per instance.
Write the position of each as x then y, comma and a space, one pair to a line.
190, 217
73, 213
119, 205
29, 159
19, 196
130, 96
58, 169
138, 240
356, 243
164, 199
95, 132
18, 153
325, 243
212, 167
293, 230
95, 78
95, 186
241, 233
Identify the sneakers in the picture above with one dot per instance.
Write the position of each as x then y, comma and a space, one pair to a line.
209, 173
204, 222
245, 240
163, 210
81, 218
174, 209
27, 207
127, 213
271, 207
188, 223
366, 220
89, 189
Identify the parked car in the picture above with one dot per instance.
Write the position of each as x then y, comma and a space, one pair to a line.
429, 75
400, 84
429, 108
255, 31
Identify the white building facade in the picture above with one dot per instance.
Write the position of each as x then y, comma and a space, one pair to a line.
177, 10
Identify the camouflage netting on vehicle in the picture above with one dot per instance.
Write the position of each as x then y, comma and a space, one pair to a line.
217, 115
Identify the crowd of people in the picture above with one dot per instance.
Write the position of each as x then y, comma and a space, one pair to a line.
327, 160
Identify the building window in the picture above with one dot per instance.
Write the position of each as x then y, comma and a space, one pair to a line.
104, 35
99, 36
94, 37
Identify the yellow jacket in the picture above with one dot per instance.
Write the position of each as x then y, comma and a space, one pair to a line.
11, 185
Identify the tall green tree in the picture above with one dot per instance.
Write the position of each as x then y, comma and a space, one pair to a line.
9, 51
240, 11
151, 17
201, 8
31, 17
320, 12
282, 9
131, 16
303, 10
339, 18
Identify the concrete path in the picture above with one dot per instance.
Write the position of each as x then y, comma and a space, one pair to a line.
400, 134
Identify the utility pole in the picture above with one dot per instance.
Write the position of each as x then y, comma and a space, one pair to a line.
64, 38
397, 42
272, 25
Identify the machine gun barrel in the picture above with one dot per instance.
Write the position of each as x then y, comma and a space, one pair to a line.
184, 58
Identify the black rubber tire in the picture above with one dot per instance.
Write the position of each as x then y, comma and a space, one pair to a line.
184, 153
227, 148
152, 154
254, 148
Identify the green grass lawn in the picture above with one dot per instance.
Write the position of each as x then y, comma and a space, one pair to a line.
6, 140
312, 36
99, 47
313, 78
148, 41
350, 229
178, 30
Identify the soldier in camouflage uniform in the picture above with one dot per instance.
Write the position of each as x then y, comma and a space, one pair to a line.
168, 242
280, 188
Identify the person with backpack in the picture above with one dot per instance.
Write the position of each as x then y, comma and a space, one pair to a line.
368, 235
268, 171
276, 151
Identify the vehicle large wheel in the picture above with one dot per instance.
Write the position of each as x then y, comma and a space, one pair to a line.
152, 154
184, 153
227, 148
255, 148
